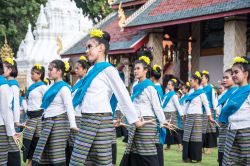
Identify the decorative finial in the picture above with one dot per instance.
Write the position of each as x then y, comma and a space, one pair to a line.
122, 17
6, 51
59, 45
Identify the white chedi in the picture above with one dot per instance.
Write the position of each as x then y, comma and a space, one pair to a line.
60, 24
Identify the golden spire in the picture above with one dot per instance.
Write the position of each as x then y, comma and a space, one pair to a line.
59, 45
6, 51
122, 17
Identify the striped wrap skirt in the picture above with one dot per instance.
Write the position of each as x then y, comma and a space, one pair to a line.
237, 148
221, 143
141, 147
13, 153
173, 137
50, 149
31, 136
192, 137
210, 139
73, 134
3, 146
204, 123
93, 143
71, 140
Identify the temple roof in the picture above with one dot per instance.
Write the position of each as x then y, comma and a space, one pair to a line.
159, 13
128, 3
127, 41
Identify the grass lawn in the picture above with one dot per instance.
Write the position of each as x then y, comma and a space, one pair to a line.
171, 157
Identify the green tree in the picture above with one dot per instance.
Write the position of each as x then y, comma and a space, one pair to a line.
96, 10
15, 15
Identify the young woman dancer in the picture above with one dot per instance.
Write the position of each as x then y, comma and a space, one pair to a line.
81, 69
23, 106
141, 148
185, 89
58, 118
210, 137
94, 96
192, 137
7, 128
236, 113
228, 83
34, 96
172, 108
10, 73
155, 78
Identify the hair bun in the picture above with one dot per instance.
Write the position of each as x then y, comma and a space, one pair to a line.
67, 67
157, 68
83, 58
239, 59
145, 59
106, 36
98, 33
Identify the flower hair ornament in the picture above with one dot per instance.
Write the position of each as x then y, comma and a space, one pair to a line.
205, 72
46, 80
83, 58
67, 66
155, 67
198, 74
174, 80
188, 84
98, 33
9, 60
145, 59
239, 60
38, 66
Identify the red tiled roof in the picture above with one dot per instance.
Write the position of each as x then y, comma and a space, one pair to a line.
128, 3
160, 13
171, 6
127, 41
116, 34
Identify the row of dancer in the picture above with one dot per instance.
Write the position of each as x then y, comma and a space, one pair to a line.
234, 115
52, 112
86, 128
230, 111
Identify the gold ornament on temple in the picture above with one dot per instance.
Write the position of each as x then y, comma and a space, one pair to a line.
6, 51
59, 45
122, 17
